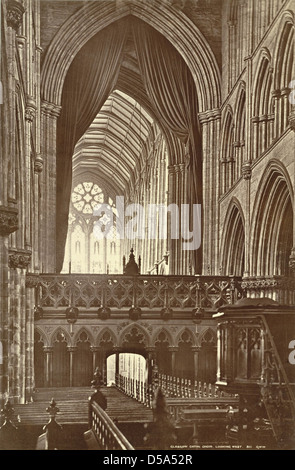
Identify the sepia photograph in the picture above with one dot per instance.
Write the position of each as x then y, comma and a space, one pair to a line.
147, 227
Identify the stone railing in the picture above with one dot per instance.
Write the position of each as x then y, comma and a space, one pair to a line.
279, 288
120, 292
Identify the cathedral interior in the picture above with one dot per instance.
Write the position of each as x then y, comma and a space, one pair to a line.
175, 120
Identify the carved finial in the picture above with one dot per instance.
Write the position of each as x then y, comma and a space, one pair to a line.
131, 268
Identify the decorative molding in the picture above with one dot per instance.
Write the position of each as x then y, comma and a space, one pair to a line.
19, 258
50, 109
267, 283
246, 171
211, 115
32, 280
31, 108
8, 220
38, 164
15, 12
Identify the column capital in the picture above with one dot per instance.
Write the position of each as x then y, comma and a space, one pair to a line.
72, 349
38, 163
19, 258
94, 349
210, 115
172, 348
196, 349
48, 349
8, 220
50, 109
31, 108
15, 11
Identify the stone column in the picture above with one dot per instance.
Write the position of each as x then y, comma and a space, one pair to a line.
173, 350
48, 350
50, 113
94, 350
172, 200
247, 172
277, 111
18, 263
71, 350
151, 360
31, 285
210, 121
196, 350
292, 255
8, 225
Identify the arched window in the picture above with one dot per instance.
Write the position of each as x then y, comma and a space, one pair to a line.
284, 76
263, 112
85, 253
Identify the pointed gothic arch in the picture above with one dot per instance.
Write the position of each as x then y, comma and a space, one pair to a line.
78, 334
106, 335
184, 36
233, 240
134, 336
272, 223
166, 334
227, 149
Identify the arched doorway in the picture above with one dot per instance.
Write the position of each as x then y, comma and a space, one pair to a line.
201, 80
130, 365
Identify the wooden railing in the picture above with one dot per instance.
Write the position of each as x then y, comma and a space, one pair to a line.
107, 435
172, 387
140, 391
185, 388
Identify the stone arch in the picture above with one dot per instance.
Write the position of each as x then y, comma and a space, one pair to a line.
62, 331
233, 240
239, 111
227, 132
137, 335
262, 83
208, 335
283, 53
272, 222
184, 35
83, 329
207, 359
185, 335
43, 335
102, 335
158, 332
